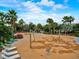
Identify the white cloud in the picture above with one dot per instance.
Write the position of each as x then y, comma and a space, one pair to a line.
10, 3
41, 17
59, 6
35, 14
46, 2
67, 14
52, 4
32, 7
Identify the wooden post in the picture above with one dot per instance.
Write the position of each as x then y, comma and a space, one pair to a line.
33, 37
30, 41
59, 34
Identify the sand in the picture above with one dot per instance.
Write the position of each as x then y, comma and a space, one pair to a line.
46, 46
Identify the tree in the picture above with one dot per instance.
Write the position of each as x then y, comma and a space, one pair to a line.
76, 27
67, 23
71, 19
2, 16
31, 27
50, 22
52, 25
65, 19
11, 18
21, 24
46, 28
5, 34
26, 27
39, 27
68, 19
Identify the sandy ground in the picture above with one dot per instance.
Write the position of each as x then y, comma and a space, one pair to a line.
47, 47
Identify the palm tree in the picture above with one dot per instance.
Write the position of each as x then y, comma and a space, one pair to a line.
71, 19
50, 22
21, 24
31, 27
5, 33
55, 25
12, 18
46, 28
2, 16
52, 25
68, 19
67, 22
26, 27
39, 27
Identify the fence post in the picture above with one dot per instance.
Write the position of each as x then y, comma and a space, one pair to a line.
30, 41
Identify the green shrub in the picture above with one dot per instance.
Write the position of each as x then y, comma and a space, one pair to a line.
5, 34
76, 33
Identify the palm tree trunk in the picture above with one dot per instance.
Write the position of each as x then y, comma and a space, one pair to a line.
65, 32
49, 30
54, 30
13, 25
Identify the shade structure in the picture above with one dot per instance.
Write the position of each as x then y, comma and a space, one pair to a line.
10, 52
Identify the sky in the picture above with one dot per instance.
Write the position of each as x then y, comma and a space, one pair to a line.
38, 11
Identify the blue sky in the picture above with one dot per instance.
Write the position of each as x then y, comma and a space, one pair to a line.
37, 11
